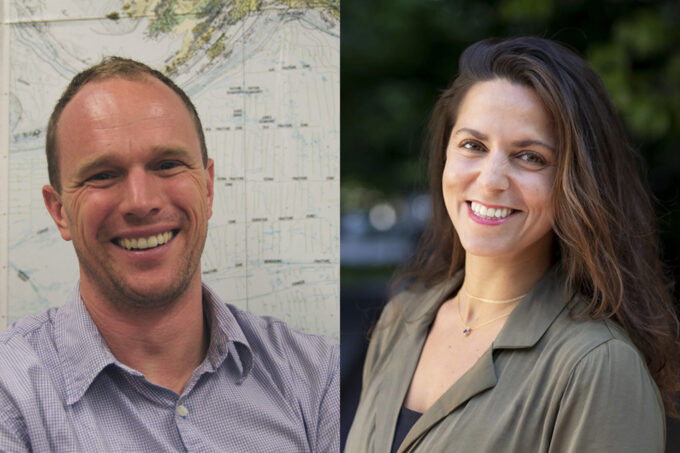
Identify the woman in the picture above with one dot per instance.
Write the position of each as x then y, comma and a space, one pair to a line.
540, 319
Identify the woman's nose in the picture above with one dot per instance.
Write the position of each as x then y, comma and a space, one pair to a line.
493, 174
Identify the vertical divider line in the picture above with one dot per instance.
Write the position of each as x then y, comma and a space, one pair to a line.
4, 162
245, 162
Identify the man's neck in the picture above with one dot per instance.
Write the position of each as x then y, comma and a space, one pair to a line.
166, 345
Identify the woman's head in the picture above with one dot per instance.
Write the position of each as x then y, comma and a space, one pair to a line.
499, 172
603, 219
590, 145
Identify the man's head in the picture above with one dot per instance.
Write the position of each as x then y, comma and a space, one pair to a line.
135, 186
111, 67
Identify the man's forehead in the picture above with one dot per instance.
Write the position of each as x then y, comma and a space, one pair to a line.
102, 93
106, 111
100, 100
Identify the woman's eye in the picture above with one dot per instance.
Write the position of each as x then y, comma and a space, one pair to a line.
471, 146
532, 158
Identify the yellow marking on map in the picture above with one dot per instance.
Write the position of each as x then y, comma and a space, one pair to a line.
319, 5
140, 8
192, 19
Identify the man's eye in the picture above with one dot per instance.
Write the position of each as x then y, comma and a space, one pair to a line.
168, 165
102, 176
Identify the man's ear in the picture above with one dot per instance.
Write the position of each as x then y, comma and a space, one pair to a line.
55, 207
210, 182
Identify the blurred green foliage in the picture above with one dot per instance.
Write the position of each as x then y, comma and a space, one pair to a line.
397, 56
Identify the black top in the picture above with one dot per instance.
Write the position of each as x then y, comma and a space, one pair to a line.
407, 418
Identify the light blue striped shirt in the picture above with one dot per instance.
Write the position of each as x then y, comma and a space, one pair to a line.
262, 387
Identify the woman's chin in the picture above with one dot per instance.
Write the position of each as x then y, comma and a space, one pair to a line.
486, 249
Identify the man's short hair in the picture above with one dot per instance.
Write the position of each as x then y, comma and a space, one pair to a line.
110, 67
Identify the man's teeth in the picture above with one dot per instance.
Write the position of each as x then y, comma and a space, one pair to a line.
145, 243
489, 213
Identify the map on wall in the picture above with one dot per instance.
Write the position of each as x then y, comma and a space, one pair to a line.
264, 76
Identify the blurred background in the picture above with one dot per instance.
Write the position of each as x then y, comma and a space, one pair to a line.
398, 55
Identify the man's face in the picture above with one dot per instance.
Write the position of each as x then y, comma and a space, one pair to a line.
136, 197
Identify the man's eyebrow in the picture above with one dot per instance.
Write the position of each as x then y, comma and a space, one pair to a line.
170, 151
519, 144
98, 162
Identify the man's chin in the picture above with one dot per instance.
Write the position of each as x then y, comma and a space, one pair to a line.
133, 291
149, 297
142, 296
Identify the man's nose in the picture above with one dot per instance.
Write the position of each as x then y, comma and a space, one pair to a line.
493, 174
142, 194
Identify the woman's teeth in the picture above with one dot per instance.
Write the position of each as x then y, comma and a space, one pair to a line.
489, 213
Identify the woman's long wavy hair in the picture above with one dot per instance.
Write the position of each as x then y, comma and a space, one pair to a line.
603, 214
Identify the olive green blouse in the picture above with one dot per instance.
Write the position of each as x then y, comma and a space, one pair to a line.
548, 383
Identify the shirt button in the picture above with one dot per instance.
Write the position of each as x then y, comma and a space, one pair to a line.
182, 410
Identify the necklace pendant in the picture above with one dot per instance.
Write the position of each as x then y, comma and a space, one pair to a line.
467, 331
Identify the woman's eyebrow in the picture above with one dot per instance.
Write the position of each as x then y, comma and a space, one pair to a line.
530, 142
520, 143
473, 132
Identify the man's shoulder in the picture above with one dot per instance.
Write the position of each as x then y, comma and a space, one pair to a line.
30, 359
275, 344
302, 368
274, 335
28, 347
29, 330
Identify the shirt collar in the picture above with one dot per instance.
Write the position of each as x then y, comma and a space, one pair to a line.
226, 336
424, 311
537, 311
84, 353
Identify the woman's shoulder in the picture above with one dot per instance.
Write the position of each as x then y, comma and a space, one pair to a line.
419, 299
606, 381
415, 304
557, 320
579, 339
404, 319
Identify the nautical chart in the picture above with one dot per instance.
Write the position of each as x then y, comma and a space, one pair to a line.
264, 76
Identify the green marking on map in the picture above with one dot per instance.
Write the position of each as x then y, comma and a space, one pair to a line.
200, 28
166, 18
241, 8
197, 21
210, 8
216, 48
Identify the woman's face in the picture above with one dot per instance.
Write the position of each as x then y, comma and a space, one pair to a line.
500, 166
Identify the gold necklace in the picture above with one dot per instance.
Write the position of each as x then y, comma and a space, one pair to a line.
494, 301
468, 329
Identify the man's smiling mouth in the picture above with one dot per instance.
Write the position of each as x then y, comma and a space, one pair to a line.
145, 242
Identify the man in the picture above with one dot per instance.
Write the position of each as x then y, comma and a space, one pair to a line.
144, 357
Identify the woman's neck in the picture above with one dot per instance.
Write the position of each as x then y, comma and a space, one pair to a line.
498, 279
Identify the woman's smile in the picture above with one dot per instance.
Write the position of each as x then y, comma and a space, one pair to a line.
486, 215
